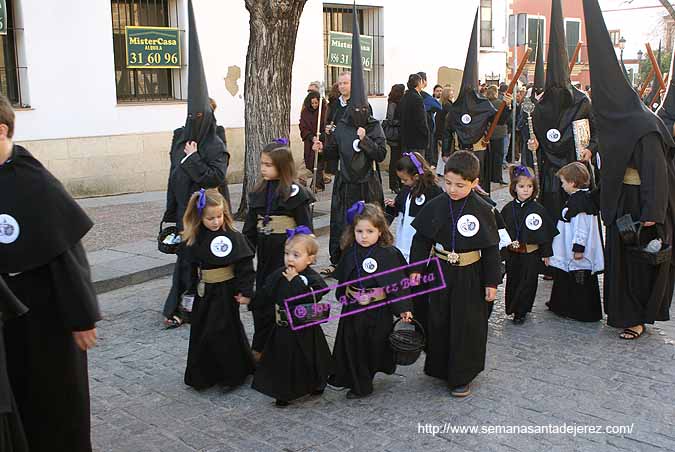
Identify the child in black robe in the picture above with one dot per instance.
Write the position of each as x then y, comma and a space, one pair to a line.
577, 252
12, 436
277, 203
460, 229
532, 230
45, 266
222, 262
361, 344
296, 360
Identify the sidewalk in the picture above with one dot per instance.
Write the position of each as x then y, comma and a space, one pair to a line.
122, 245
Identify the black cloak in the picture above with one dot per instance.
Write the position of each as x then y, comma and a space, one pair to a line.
529, 222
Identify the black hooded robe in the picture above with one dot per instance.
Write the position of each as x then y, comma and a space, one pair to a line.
528, 223
458, 315
219, 351
637, 293
362, 341
12, 436
270, 248
358, 178
295, 362
46, 267
553, 155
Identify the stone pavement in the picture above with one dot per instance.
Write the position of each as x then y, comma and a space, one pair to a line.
548, 371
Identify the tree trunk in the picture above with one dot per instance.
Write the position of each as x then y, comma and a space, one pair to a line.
267, 90
666, 4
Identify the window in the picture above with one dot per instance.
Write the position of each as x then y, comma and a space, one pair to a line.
573, 36
12, 73
615, 35
486, 23
370, 19
144, 85
535, 25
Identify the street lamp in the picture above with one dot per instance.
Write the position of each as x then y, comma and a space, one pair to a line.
622, 45
640, 54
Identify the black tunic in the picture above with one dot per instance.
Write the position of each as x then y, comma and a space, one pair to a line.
47, 371
529, 223
270, 248
637, 293
12, 436
359, 176
361, 344
219, 351
557, 150
295, 362
458, 314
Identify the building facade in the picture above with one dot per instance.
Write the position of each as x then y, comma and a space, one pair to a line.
103, 128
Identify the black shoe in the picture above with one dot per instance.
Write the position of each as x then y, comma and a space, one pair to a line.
352, 395
518, 319
461, 391
281, 403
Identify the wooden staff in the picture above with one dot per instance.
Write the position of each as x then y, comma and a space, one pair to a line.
648, 79
318, 135
655, 66
509, 91
575, 56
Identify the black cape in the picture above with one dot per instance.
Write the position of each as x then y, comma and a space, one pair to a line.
270, 248
25, 243
359, 176
361, 344
295, 362
417, 203
12, 436
219, 351
528, 222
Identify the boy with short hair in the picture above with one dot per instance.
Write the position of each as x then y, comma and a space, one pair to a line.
45, 266
460, 229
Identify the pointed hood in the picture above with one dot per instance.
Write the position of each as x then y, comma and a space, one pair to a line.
557, 71
200, 122
539, 70
471, 112
358, 112
620, 116
667, 109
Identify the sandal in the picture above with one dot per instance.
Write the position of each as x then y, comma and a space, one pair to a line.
328, 271
630, 334
173, 322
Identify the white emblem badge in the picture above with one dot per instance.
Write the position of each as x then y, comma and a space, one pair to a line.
221, 246
420, 199
355, 145
553, 135
304, 279
466, 118
9, 229
533, 221
294, 189
468, 225
370, 265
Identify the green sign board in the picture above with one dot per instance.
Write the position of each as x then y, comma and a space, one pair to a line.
3, 17
340, 50
152, 47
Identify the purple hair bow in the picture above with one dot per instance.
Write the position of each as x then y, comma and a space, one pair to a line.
201, 202
416, 162
281, 140
354, 210
302, 229
521, 170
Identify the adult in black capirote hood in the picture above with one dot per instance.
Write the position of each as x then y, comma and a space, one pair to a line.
205, 168
637, 178
539, 68
470, 115
560, 106
359, 144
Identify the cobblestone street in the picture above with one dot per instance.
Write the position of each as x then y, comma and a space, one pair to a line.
548, 371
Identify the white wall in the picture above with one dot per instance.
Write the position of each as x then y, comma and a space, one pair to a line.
69, 54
